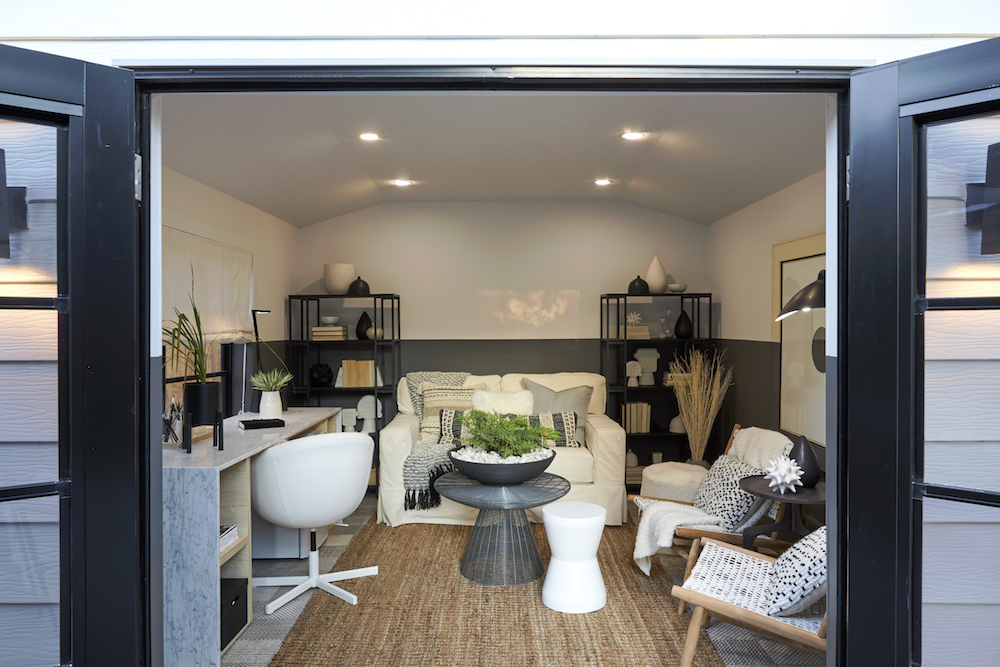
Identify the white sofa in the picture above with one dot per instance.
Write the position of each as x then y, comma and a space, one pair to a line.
596, 472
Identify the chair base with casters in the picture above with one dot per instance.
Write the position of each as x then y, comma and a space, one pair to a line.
735, 597
306, 483
313, 580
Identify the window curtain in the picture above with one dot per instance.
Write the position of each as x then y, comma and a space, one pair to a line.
222, 289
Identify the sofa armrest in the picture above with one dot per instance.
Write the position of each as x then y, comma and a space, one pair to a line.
606, 441
395, 442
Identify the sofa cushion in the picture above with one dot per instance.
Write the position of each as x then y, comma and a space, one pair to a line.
574, 399
504, 402
404, 404
576, 464
560, 381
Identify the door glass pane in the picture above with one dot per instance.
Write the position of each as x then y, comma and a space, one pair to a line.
963, 205
961, 395
29, 582
28, 188
961, 584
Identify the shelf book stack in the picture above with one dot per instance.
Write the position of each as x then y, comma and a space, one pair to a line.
635, 417
228, 535
634, 332
359, 373
329, 333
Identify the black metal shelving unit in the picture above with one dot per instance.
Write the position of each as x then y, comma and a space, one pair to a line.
304, 311
617, 349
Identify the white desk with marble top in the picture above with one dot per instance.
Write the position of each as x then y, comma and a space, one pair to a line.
201, 491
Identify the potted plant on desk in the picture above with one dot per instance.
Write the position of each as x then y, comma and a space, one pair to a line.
502, 450
188, 350
269, 384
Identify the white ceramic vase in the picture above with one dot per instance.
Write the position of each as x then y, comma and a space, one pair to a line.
656, 277
270, 405
338, 277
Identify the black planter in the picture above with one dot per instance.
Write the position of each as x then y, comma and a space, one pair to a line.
501, 474
684, 328
363, 324
805, 456
202, 401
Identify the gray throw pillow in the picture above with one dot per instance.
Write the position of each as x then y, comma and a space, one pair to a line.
575, 399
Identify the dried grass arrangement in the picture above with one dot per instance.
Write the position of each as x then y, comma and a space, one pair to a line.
702, 381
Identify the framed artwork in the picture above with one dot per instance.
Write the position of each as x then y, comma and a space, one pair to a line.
802, 338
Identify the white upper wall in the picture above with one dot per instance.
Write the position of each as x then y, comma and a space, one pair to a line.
524, 32
193, 207
739, 253
501, 270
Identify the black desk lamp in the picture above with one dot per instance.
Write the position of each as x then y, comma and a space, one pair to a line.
811, 296
256, 335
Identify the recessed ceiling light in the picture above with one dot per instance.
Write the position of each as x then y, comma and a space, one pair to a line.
370, 136
633, 136
603, 181
402, 182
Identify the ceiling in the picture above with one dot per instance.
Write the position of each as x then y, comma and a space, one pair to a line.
298, 156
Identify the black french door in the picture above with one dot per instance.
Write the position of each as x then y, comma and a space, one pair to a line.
919, 502
74, 350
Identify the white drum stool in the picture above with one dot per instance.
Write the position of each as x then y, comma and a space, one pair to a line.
672, 480
573, 582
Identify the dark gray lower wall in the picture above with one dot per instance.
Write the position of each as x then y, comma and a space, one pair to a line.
489, 357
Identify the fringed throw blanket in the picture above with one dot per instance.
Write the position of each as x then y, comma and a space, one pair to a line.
659, 521
429, 458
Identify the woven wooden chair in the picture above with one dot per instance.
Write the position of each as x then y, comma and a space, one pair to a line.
684, 536
729, 583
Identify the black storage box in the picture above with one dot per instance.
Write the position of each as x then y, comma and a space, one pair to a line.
234, 608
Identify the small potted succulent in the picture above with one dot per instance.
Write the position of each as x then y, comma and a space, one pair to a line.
269, 384
502, 450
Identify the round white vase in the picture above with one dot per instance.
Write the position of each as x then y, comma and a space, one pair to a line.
656, 277
270, 405
338, 277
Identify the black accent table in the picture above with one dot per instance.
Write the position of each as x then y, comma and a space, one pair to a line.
502, 549
791, 518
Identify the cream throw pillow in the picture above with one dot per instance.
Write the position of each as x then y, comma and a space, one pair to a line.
438, 397
504, 402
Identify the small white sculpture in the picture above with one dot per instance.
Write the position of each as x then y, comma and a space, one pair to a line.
368, 409
633, 319
784, 474
349, 418
633, 369
646, 356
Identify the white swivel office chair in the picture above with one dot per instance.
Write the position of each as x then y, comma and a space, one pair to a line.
308, 483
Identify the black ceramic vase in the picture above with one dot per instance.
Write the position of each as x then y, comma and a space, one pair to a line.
804, 455
684, 328
202, 401
359, 288
363, 324
638, 286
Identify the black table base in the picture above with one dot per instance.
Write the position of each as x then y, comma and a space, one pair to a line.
502, 550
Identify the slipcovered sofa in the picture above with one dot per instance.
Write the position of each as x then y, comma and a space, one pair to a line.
596, 471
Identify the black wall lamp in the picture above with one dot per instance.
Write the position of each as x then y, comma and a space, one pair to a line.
982, 204
811, 296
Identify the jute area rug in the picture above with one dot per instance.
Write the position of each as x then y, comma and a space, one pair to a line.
419, 610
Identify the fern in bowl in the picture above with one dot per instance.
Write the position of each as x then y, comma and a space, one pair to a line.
502, 450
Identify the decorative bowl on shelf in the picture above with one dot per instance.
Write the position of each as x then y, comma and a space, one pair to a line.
329, 320
677, 287
501, 474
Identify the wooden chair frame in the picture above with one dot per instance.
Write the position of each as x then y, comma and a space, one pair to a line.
707, 608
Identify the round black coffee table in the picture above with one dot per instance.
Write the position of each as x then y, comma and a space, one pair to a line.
502, 549
791, 519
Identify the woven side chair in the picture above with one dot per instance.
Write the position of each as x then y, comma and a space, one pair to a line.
684, 536
729, 583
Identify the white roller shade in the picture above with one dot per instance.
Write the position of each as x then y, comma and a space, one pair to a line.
223, 284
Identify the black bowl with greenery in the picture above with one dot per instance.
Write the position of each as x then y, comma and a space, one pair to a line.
501, 474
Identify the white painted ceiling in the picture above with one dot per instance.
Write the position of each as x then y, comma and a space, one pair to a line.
299, 157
